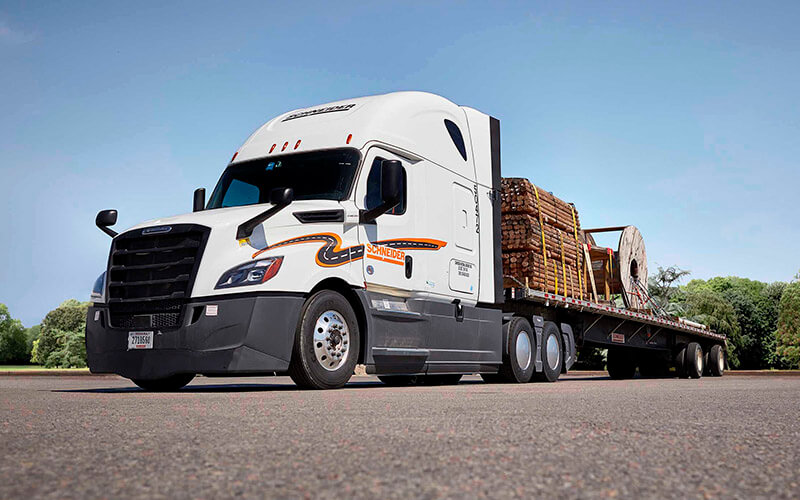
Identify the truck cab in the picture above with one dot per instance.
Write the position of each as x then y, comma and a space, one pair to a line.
358, 231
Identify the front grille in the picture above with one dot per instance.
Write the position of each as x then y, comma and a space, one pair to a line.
150, 275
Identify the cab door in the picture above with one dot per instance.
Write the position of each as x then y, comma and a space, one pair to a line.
390, 263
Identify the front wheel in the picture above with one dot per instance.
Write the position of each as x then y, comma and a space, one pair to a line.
326, 342
166, 384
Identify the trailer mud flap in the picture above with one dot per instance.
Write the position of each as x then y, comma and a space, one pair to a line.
569, 346
538, 326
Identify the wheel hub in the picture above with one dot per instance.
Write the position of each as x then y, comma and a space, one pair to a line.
331, 340
553, 352
523, 350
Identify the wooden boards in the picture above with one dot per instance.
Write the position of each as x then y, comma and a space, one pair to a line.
542, 240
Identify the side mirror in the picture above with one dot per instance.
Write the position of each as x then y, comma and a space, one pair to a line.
199, 200
391, 191
106, 218
391, 183
281, 196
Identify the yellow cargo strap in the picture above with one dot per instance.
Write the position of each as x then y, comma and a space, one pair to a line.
563, 264
541, 229
577, 248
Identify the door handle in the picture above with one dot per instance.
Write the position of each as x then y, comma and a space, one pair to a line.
409, 266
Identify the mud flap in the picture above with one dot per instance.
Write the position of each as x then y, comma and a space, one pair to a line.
569, 346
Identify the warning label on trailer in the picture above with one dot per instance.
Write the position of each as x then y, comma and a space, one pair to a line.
618, 338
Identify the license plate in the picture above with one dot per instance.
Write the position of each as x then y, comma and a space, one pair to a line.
140, 340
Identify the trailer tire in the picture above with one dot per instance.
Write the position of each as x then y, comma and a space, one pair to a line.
518, 363
694, 360
552, 352
326, 343
716, 361
679, 360
400, 380
620, 364
166, 384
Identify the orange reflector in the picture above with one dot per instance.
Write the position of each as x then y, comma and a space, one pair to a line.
349, 138
272, 148
296, 144
234, 156
284, 146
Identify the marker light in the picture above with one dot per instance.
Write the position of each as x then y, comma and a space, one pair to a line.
234, 156
296, 144
284, 146
349, 138
272, 148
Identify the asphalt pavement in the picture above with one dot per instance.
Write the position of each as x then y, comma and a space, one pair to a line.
582, 437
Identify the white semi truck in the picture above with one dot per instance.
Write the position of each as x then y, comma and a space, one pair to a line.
359, 231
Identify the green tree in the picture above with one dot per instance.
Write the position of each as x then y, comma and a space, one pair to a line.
31, 335
70, 316
788, 332
13, 348
710, 308
755, 305
663, 287
71, 351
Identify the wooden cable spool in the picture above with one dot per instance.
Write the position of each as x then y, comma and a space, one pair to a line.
632, 259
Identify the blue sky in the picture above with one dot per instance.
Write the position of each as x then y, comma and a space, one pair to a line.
680, 118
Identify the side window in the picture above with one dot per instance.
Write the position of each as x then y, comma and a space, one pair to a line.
241, 193
373, 198
458, 139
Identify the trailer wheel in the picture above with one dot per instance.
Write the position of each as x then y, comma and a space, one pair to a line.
694, 360
518, 362
552, 353
716, 361
166, 384
679, 360
399, 380
620, 364
326, 342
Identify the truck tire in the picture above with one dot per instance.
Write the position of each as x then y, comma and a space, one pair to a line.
716, 361
166, 384
326, 342
679, 360
552, 353
400, 380
694, 360
517, 364
620, 364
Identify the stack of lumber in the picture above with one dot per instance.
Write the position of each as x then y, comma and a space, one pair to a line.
542, 240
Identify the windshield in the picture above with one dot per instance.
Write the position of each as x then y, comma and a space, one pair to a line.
318, 175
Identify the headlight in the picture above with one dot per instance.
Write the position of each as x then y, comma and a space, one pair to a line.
250, 273
99, 288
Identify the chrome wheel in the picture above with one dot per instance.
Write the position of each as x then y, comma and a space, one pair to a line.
331, 340
523, 350
698, 360
553, 351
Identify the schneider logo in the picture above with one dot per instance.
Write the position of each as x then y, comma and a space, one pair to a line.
156, 230
318, 111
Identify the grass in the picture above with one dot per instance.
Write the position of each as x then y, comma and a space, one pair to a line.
13, 368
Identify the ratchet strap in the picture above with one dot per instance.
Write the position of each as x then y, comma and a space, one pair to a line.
577, 248
541, 230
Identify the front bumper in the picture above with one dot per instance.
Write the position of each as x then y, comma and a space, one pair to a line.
248, 335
